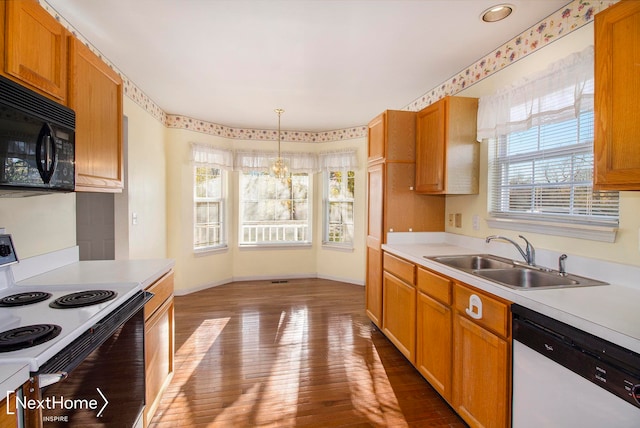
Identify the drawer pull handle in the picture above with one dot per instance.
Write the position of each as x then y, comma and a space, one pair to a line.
475, 307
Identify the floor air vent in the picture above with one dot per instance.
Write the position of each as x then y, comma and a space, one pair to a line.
279, 281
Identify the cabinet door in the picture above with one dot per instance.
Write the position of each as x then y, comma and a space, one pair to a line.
377, 138
8, 414
96, 96
158, 355
433, 343
373, 285
430, 148
480, 375
375, 202
617, 130
399, 314
36, 48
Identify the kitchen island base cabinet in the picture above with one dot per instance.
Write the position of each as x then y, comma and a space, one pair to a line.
159, 343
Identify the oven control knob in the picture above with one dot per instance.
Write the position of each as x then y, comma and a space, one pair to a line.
635, 392
5, 250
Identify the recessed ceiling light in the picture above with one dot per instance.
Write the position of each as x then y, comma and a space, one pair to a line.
496, 13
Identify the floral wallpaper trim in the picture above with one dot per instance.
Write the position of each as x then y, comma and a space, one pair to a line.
569, 18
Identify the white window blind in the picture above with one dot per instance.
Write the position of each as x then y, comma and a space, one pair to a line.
541, 155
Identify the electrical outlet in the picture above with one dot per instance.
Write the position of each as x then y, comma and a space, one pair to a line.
458, 220
475, 222
451, 219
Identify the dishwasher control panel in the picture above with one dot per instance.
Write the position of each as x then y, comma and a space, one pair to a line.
605, 364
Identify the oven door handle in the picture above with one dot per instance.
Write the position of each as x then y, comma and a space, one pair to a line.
45, 380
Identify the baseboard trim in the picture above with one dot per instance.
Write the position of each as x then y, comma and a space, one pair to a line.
184, 292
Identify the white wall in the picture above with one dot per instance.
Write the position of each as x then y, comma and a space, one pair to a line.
625, 249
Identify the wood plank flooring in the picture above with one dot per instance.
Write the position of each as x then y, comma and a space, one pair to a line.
300, 353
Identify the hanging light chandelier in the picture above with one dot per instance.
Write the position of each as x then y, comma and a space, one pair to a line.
279, 168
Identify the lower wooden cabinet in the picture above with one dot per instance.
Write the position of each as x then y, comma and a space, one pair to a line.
399, 314
8, 414
434, 343
481, 359
373, 288
159, 343
457, 337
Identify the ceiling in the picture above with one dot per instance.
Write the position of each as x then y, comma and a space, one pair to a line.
331, 64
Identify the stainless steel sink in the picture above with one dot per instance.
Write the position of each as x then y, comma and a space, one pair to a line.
513, 274
528, 278
474, 261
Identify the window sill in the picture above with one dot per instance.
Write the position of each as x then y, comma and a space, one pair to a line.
337, 247
210, 250
252, 247
580, 231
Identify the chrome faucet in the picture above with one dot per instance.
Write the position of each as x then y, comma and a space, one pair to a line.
529, 253
561, 265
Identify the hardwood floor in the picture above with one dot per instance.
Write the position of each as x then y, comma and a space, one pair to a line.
301, 353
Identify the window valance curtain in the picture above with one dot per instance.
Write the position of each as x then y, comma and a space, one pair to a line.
338, 160
261, 161
206, 155
554, 95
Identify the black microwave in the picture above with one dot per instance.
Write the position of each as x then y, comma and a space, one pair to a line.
37, 143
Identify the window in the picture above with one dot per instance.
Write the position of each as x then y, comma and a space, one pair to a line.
210, 166
209, 208
274, 211
338, 207
541, 133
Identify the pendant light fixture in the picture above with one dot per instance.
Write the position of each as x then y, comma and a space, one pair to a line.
279, 168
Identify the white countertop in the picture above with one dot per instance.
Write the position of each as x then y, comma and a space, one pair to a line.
608, 311
12, 376
144, 272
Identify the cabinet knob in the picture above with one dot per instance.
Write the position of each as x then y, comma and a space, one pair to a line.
390, 229
410, 187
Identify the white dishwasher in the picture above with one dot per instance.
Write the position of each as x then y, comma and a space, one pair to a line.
565, 377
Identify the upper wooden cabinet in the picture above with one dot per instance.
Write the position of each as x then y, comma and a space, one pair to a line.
447, 154
35, 49
617, 130
392, 136
95, 93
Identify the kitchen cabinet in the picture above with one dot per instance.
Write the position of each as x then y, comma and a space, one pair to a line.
159, 343
8, 414
95, 93
434, 330
399, 304
393, 205
617, 131
35, 49
447, 154
482, 358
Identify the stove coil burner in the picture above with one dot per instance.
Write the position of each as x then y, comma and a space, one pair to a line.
27, 336
83, 298
22, 299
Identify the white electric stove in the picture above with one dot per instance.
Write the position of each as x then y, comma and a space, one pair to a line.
53, 325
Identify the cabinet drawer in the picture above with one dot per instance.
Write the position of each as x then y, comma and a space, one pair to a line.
434, 285
162, 290
485, 311
401, 268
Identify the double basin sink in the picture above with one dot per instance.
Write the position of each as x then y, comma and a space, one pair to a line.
514, 274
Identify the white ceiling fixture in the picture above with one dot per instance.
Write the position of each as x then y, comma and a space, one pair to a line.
334, 64
279, 168
497, 13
